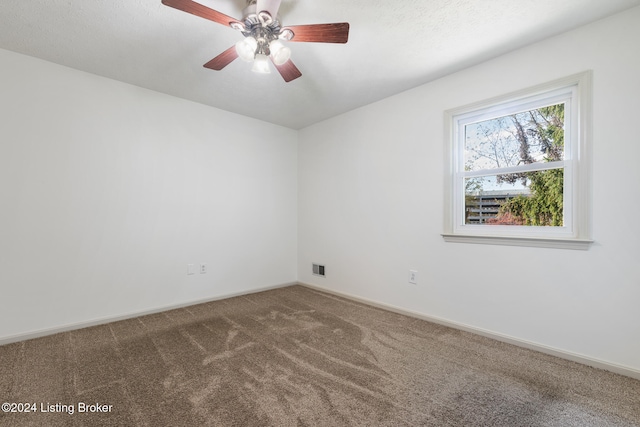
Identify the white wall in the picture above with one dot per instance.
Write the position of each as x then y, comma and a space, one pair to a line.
371, 206
108, 190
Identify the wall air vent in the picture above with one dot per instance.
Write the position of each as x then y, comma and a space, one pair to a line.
318, 270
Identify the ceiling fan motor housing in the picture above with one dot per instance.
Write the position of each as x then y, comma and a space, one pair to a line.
262, 27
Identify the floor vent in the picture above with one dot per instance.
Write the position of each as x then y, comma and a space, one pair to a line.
318, 270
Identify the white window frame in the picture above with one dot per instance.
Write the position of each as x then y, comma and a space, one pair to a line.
575, 92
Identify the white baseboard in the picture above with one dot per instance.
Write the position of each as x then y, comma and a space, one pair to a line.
563, 354
575, 357
100, 321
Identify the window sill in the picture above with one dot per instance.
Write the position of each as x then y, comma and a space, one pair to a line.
536, 242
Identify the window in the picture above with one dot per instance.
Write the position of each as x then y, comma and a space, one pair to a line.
519, 168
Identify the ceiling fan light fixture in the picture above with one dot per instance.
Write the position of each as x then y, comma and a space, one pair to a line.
246, 49
279, 52
261, 64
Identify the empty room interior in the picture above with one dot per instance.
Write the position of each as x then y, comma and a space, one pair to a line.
325, 243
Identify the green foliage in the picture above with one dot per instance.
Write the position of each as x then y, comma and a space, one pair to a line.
544, 205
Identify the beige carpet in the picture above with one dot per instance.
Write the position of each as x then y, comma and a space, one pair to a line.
299, 357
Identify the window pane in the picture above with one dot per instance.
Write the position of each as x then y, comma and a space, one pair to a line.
517, 139
531, 198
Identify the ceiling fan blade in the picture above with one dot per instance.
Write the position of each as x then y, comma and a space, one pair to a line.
288, 71
320, 33
222, 60
270, 6
201, 11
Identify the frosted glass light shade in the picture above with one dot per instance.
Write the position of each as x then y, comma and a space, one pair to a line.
247, 49
261, 64
279, 52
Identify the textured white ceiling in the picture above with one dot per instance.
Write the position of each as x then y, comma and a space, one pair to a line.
393, 46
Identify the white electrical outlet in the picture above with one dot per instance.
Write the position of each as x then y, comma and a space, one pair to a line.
191, 269
413, 277
203, 268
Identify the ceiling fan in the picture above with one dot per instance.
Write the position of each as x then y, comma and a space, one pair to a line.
264, 34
